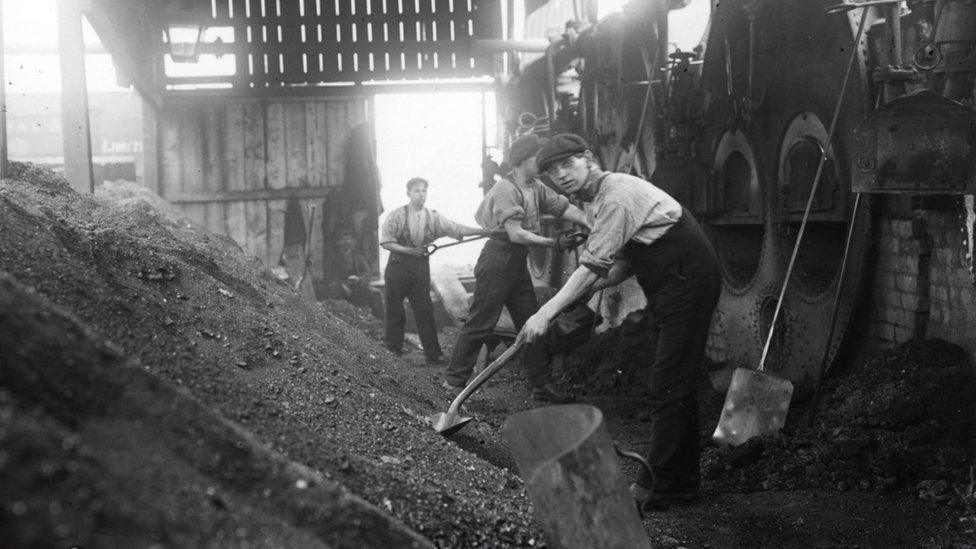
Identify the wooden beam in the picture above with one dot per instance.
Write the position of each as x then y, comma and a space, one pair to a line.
303, 92
3, 104
150, 145
74, 99
300, 193
130, 34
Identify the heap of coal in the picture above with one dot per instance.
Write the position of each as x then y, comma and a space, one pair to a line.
160, 387
904, 419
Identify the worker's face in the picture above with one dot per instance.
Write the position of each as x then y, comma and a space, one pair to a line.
347, 242
569, 174
418, 195
531, 167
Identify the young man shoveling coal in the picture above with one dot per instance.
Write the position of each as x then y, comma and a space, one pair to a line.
638, 229
512, 213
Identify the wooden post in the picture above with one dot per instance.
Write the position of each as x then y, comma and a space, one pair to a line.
74, 99
150, 146
3, 105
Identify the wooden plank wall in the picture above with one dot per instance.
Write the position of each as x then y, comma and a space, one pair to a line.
231, 165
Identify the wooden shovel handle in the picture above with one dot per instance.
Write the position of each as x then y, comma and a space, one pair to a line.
483, 376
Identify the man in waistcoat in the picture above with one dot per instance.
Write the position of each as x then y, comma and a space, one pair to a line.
512, 213
406, 233
640, 230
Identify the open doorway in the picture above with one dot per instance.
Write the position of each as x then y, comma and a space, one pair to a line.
439, 137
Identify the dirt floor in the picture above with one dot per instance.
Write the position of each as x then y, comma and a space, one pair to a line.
160, 388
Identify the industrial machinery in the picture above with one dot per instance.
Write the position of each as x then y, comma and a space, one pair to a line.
735, 130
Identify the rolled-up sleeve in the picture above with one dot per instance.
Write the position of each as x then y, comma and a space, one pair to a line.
551, 202
613, 226
392, 226
506, 204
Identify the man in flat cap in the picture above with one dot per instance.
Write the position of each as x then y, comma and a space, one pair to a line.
638, 229
511, 211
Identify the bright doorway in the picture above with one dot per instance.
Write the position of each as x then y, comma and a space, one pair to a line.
437, 136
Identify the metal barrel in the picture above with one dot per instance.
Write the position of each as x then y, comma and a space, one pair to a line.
567, 461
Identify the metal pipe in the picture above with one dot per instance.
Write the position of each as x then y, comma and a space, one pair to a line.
551, 80
494, 45
893, 16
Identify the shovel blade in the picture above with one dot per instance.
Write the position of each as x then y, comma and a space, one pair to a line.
447, 423
755, 405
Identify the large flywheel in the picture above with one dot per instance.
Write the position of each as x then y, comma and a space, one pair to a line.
771, 85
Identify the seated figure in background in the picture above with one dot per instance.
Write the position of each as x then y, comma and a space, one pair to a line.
349, 276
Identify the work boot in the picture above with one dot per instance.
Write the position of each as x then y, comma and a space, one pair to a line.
435, 360
452, 390
650, 500
548, 392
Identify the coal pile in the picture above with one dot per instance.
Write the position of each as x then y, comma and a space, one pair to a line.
250, 417
614, 362
903, 420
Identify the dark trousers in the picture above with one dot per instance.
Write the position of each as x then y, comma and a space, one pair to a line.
680, 277
409, 277
501, 280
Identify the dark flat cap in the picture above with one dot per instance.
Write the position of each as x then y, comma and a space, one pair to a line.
560, 146
524, 148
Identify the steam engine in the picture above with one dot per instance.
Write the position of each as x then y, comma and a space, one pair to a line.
735, 129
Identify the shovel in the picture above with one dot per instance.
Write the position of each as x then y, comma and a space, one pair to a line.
450, 422
757, 402
431, 248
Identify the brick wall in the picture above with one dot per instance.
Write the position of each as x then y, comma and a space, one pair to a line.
923, 283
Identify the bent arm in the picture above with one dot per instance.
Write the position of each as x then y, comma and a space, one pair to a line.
519, 235
577, 216
619, 272
577, 286
400, 248
473, 231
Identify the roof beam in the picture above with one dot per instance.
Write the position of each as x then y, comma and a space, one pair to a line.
130, 32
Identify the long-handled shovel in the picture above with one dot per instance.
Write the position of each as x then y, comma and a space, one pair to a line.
757, 402
431, 248
450, 422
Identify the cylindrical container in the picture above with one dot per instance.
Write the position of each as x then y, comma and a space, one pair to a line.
566, 459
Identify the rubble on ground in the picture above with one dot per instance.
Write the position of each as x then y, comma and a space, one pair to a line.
902, 420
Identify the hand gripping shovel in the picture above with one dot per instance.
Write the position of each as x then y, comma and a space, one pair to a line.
757, 402
448, 423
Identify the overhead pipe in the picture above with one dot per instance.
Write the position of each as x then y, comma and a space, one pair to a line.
495, 45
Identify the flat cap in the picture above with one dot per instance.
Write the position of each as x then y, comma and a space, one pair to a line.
524, 148
560, 146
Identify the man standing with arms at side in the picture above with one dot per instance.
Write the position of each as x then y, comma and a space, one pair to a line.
406, 233
512, 212
639, 229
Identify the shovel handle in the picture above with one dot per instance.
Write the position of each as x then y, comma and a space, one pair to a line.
431, 248
483, 376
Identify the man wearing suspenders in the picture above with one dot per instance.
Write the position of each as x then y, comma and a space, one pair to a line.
639, 229
406, 233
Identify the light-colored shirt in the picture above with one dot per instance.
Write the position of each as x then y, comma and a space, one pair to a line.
423, 229
625, 208
525, 202
417, 223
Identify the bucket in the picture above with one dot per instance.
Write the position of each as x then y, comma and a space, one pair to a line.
568, 463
